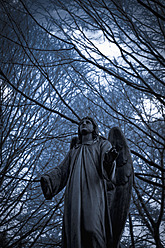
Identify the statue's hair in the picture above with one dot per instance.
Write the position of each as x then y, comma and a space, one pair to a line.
95, 127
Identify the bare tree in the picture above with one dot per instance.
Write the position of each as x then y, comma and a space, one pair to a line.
68, 59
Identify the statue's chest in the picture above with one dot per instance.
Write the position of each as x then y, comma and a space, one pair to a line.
86, 161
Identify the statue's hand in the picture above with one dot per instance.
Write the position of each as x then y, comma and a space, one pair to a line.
114, 153
108, 164
111, 155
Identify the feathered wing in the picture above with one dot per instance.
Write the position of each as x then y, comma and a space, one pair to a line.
119, 196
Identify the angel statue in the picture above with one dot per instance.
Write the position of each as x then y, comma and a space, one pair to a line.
98, 175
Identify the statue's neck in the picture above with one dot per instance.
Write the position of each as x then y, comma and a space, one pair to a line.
86, 138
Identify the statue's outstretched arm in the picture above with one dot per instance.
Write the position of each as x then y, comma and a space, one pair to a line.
55, 180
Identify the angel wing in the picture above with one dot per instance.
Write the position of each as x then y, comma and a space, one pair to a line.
119, 196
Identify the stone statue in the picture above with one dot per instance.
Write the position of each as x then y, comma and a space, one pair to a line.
98, 175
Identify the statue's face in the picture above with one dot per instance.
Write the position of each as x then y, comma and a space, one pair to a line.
86, 126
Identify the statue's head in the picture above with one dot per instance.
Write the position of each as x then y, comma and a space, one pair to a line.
94, 129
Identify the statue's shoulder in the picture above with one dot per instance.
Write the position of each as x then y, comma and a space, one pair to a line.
74, 141
103, 140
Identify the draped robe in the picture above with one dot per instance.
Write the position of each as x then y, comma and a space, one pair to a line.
86, 220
